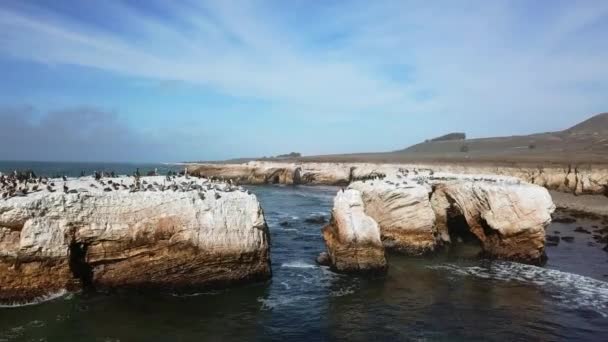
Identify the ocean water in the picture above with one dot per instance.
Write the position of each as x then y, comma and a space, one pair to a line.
450, 296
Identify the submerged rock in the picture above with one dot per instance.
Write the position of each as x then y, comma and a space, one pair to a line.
323, 259
352, 237
316, 219
179, 237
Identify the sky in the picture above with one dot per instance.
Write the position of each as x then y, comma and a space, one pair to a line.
166, 81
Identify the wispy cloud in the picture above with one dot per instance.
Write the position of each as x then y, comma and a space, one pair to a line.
475, 63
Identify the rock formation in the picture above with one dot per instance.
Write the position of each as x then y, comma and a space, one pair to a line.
353, 238
175, 233
403, 212
417, 213
572, 178
508, 218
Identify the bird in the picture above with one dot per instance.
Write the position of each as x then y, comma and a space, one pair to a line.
65, 179
217, 196
65, 188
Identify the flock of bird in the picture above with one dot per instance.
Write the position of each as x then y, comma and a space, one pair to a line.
20, 184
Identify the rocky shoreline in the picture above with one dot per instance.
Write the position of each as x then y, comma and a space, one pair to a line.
575, 179
177, 233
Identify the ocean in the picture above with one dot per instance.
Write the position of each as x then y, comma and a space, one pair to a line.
449, 296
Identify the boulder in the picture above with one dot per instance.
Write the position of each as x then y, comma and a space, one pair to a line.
181, 234
352, 237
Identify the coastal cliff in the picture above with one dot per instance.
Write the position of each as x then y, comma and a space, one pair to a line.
176, 233
576, 179
418, 212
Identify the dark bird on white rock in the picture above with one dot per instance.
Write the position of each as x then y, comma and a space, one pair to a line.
65, 188
64, 178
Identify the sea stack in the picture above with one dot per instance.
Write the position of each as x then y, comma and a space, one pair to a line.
353, 238
165, 236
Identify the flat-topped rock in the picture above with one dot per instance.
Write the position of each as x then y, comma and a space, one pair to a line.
162, 232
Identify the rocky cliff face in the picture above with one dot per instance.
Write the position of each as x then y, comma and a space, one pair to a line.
418, 212
573, 179
352, 237
171, 234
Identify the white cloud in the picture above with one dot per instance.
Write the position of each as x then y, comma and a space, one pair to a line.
479, 59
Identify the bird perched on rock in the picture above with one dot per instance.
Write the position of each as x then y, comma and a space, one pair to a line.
65, 188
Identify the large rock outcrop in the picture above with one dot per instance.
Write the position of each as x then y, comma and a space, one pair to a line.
417, 213
171, 234
508, 218
353, 238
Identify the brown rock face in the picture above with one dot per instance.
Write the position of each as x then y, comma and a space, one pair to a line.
25, 280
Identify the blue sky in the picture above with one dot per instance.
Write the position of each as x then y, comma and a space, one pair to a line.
185, 80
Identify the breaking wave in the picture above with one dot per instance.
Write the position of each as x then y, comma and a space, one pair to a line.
298, 264
38, 300
568, 289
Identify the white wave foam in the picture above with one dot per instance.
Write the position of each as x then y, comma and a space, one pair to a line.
38, 300
568, 289
298, 264
342, 292
269, 304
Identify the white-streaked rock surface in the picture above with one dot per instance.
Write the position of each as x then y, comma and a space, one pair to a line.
353, 238
404, 213
178, 233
